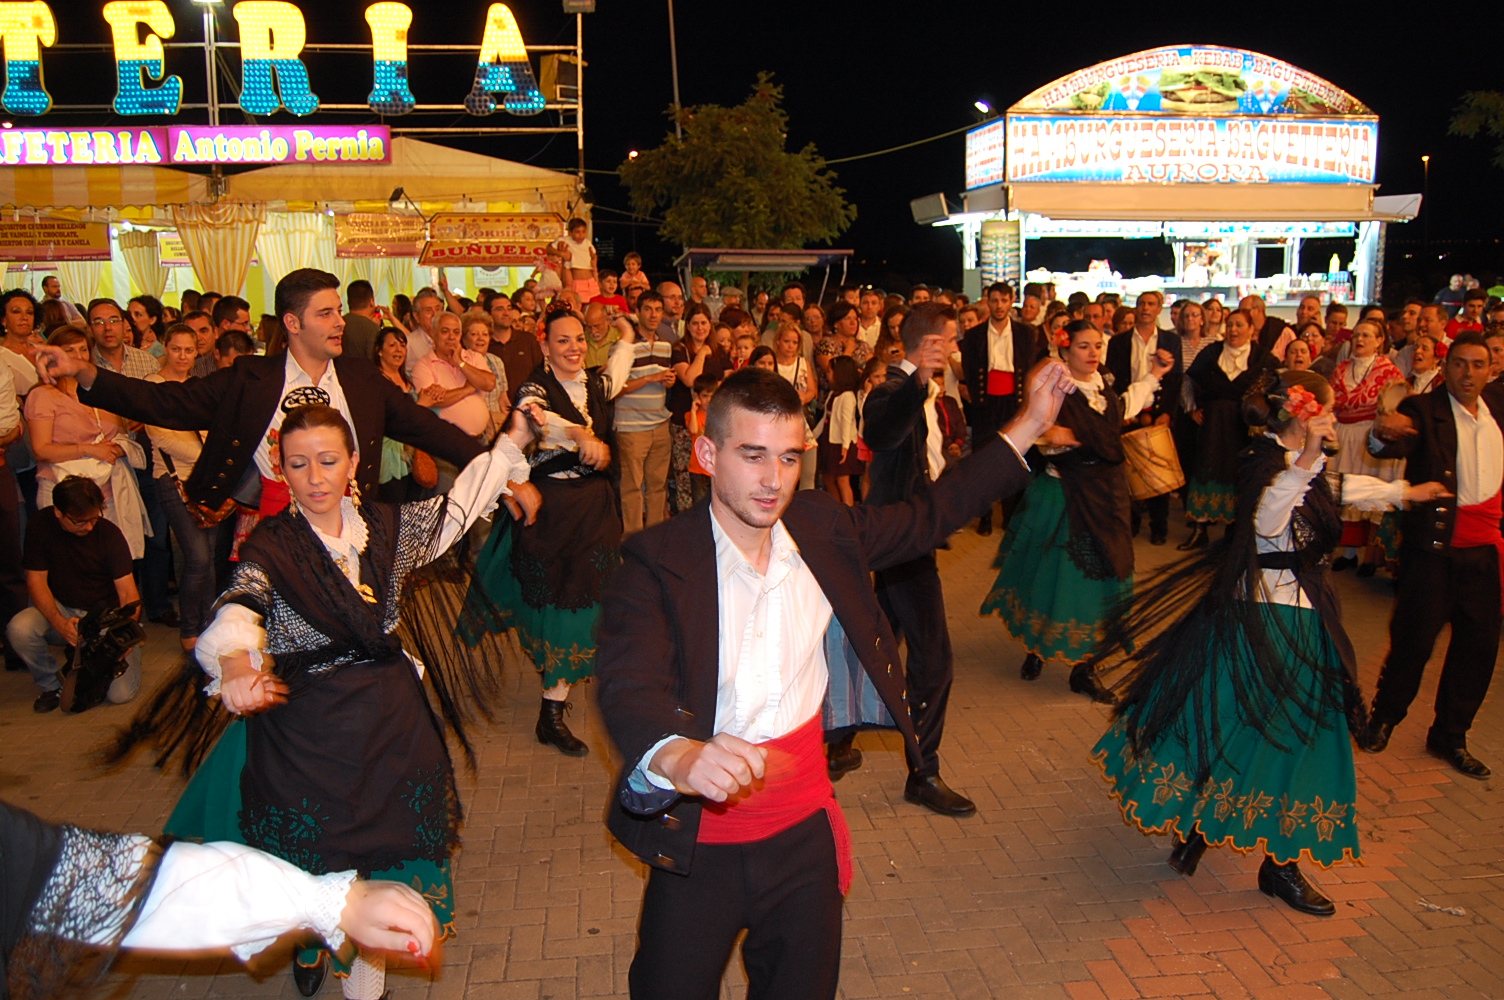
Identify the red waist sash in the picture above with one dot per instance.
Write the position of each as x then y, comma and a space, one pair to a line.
795, 785
1479, 525
999, 383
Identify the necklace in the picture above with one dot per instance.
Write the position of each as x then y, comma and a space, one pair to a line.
363, 589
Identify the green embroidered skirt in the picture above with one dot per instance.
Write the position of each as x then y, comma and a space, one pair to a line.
1290, 794
1211, 500
1043, 597
209, 811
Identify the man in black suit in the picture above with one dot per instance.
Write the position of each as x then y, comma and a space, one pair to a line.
903, 429
242, 407
994, 359
719, 636
1450, 554
1128, 360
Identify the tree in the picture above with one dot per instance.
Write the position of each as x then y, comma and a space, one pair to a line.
729, 182
1481, 111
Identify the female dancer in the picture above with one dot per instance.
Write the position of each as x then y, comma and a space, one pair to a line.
1233, 724
1221, 373
341, 763
1357, 384
550, 574
1067, 557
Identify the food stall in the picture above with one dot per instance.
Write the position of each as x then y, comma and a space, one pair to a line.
1231, 158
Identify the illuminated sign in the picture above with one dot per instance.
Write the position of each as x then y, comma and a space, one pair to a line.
1194, 79
228, 144
273, 74
170, 249
984, 154
53, 240
463, 239
1160, 149
371, 234
279, 144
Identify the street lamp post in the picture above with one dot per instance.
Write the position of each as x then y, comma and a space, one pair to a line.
1425, 207
673, 55
211, 83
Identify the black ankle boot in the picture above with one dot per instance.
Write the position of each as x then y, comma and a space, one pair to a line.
309, 979
841, 757
1031, 667
553, 732
1198, 539
1084, 681
1187, 854
1287, 883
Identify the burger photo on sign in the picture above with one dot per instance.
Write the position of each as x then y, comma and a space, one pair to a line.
1201, 91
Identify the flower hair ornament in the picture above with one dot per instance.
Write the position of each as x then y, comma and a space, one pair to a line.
1062, 339
1298, 402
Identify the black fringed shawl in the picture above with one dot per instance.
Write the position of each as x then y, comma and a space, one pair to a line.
1198, 616
62, 887
1096, 487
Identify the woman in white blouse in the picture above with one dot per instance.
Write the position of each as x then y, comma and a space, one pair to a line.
1235, 719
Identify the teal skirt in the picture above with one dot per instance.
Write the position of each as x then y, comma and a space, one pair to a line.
1211, 500
560, 641
1047, 603
209, 811
1290, 794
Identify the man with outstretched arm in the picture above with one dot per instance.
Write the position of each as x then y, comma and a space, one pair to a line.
720, 635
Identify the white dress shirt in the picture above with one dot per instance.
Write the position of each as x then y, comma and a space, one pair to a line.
772, 669
1000, 346
1143, 353
1480, 454
295, 377
870, 333
934, 440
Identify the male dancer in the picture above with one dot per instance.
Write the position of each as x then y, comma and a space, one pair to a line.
713, 665
903, 429
1450, 559
994, 359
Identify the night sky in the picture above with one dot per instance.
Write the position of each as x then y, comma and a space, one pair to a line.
858, 79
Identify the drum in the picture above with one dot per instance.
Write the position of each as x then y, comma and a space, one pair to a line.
1152, 463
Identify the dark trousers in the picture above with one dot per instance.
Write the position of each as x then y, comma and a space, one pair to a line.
1158, 509
13, 596
992, 418
911, 597
782, 890
1459, 587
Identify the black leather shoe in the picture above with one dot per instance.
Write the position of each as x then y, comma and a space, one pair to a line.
1031, 667
47, 701
841, 758
1198, 539
1286, 882
1084, 681
935, 795
1158, 536
309, 979
1187, 854
1375, 736
552, 731
1134, 524
1459, 758
1343, 563
984, 525
1367, 570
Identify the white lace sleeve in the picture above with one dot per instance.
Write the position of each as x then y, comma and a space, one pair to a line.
478, 486
226, 895
1372, 493
235, 627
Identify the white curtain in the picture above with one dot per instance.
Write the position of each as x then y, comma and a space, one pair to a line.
142, 260
389, 276
80, 279
290, 240
323, 256
219, 239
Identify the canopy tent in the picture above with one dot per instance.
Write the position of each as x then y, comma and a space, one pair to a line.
431, 175
99, 193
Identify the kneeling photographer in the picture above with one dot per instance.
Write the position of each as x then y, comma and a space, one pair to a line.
78, 573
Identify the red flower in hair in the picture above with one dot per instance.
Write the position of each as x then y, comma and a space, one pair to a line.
1441, 350
1301, 403
1062, 339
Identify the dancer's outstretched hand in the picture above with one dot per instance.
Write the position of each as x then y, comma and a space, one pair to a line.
390, 916
1048, 384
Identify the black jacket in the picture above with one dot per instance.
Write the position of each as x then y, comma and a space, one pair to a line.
1430, 456
235, 406
990, 413
658, 654
893, 426
1120, 366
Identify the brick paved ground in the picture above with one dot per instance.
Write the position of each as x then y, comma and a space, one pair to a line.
1044, 893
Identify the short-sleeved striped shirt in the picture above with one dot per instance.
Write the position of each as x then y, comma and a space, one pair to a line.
646, 408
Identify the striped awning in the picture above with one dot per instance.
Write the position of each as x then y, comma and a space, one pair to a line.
74, 191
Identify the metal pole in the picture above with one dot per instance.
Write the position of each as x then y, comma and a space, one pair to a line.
673, 53
579, 91
1425, 207
211, 74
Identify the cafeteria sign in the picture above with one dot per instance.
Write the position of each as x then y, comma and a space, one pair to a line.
53, 240
463, 239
